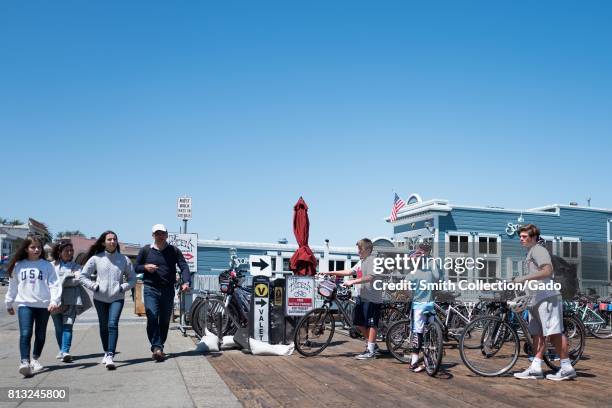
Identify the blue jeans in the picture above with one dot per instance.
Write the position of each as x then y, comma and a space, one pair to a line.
63, 332
32, 319
158, 303
108, 317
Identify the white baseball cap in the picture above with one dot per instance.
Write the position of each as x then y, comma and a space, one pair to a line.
159, 227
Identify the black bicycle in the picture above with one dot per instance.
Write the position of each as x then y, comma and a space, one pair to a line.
490, 345
315, 330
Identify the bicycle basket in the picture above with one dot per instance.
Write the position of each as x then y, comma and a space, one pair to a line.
343, 293
327, 289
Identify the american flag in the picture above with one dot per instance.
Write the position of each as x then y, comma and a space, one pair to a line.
398, 203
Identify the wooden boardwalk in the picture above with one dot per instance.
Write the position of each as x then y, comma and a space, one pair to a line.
336, 379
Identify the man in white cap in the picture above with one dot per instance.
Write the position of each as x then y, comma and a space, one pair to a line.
157, 263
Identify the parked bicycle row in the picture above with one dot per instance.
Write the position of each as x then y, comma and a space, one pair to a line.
491, 333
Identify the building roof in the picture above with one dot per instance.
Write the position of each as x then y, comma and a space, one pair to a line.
443, 206
270, 246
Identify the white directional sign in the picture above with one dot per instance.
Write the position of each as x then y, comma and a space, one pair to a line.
261, 265
183, 208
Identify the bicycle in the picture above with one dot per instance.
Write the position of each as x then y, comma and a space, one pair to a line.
208, 312
316, 328
452, 317
490, 345
598, 322
399, 342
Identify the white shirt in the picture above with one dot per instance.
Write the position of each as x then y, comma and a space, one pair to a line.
33, 284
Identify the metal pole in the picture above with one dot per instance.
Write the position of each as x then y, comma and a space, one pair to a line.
184, 225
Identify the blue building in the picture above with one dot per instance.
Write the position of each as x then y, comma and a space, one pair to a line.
581, 235
214, 256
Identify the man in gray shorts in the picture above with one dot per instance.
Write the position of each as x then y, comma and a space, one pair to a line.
545, 310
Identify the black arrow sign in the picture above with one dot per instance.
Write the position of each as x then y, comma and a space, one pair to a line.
261, 264
261, 302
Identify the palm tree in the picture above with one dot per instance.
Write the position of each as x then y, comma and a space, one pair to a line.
64, 234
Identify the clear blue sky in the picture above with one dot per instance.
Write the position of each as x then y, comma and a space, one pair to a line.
110, 110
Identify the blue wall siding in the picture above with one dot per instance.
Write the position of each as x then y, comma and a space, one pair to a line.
210, 258
590, 226
408, 227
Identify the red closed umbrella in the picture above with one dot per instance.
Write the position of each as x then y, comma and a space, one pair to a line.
303, 262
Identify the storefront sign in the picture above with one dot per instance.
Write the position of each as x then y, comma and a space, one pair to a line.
300, 295
511, 228
188, 244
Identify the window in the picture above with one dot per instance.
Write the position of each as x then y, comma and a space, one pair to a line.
487, 245
489, 272
457, 273
570, 249
273, 263
515, 267
286, 263
336, 265
353, 263
610, 262
458, 244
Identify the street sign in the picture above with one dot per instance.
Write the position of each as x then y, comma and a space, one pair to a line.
261, 265
299, 295
188, 244
183, 208
260, 307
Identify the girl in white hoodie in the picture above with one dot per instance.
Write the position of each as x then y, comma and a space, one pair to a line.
34, 290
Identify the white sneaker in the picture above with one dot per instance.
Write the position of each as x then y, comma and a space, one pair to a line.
25, 369
530, 374
562, 374
36, 366
110, 364
66, 358
59, 356
104, 359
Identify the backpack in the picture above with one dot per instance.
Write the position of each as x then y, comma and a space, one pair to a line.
566, 275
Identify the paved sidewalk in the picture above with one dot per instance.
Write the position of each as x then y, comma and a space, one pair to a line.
185, 379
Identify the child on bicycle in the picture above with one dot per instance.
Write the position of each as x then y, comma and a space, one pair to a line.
422, 303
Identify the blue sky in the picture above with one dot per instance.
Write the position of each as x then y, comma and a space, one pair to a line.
111, 110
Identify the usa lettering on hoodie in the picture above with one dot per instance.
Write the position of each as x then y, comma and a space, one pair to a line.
33, 284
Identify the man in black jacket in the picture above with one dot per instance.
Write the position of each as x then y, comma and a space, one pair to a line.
158, 264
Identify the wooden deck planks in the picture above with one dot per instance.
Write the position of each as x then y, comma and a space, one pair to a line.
335, 379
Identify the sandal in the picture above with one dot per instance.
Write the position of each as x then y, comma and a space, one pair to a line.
420, 368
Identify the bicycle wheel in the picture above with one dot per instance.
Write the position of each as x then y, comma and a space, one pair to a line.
604, 330
432, 348
212, 315
388, 315
492, 347
314, 332
398, 340
575, 344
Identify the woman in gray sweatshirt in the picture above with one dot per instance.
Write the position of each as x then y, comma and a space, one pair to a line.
75, 299
114, 275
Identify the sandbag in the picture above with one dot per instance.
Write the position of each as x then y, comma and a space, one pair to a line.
260, 348
228, 343
208, 343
